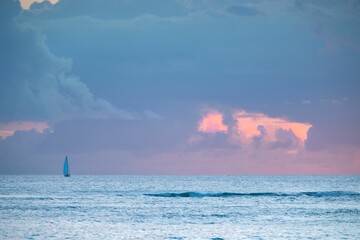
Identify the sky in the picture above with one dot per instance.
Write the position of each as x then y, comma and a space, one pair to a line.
180, 86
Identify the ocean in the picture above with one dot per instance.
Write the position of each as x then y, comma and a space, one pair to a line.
180, 207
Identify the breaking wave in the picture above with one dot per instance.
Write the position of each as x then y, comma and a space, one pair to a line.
254, 194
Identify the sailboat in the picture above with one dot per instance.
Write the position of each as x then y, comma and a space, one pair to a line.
66, 168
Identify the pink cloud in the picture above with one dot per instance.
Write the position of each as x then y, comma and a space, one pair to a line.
8, 129
254, 132
249, 125
25, 4
212, 123
269, 145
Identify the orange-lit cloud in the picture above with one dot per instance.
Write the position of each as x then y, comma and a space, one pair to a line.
25, 4
249, 125
8, 129
212, 123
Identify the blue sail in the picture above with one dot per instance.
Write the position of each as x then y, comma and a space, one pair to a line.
66, 168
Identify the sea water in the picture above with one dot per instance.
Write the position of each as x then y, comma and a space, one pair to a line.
180, 207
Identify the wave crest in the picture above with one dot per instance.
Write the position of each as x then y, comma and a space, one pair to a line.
254, 194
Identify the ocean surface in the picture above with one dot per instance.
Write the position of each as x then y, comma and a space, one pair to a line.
180, 207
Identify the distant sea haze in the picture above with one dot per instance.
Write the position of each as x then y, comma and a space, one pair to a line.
180, 207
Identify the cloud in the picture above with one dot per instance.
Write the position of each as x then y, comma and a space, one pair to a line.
240, 10
212, 123
331, 23
327, 101
195, 139
251, 130
8, 129
110, 146
334, 101
305, 102
26, 4
96, 137
62, 61
251, 125
231, 47
136, 136
40, 85
151, 114
245, 161
111, 10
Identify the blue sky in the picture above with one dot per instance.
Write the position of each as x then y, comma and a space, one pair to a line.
123, 87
